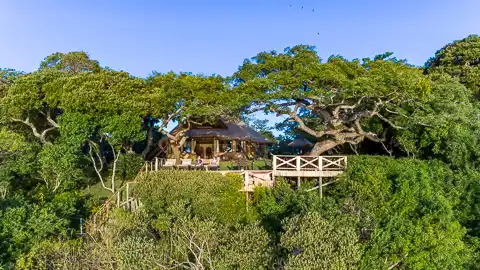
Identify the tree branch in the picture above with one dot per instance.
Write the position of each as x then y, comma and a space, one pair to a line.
41, 136
293, 114
167, 121
34, 129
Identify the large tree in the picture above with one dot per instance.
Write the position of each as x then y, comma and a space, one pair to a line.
337, 101
460, 59
69, 102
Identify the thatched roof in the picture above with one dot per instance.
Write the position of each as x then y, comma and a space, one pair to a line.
227, 131
300, 142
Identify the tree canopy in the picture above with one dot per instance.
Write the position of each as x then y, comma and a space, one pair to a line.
460, 59
338, 101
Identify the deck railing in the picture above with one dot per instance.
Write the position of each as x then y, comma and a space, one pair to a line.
309, 163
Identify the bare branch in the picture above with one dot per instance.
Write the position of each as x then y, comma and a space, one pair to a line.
285, 104
165, 122
51, 121
41, 136
385, 120
97, 169
293, 114
397, 113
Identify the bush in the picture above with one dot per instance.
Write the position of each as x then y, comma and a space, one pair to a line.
205, 195
314, 242
409, 208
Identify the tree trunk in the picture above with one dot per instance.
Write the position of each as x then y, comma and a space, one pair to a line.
323, 146
148, 147
176, 152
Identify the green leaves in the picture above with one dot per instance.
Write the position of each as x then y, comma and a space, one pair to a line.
460, 59
314, 242
412, 209
200, 194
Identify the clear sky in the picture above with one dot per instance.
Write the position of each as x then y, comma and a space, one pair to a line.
209, 37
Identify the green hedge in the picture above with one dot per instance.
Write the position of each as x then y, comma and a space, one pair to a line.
205, 195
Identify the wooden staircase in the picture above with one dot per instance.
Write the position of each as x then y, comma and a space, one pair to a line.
120, 199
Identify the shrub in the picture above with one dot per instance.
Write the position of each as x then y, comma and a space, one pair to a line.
314, 242
194, 193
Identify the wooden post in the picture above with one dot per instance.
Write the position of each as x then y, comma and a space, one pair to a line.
193, 144
234, 146
320, 163
246, 179
156, 163
320, 186
298, 182
298, 163
118, 198
127, 198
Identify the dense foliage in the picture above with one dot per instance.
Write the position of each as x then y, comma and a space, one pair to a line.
73, 133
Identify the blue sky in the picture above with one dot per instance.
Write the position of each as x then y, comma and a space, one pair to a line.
216, 36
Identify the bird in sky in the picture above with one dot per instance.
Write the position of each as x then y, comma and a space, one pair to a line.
302, 7
313, 10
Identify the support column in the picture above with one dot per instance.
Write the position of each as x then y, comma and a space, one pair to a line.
193, 144
216, 145
234, 146
298, 182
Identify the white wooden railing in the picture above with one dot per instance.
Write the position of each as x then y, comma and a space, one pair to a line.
154, 165
309, 163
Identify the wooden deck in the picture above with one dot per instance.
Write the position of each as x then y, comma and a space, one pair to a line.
283, 166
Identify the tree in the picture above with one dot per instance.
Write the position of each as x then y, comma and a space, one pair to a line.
407, 211
460, 59
69, 102
445, 127
72, 62
187, 100
336, 102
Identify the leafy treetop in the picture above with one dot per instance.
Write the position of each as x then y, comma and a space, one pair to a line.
461, 59
339, 98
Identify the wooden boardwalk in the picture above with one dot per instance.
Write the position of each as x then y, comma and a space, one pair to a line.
298, 167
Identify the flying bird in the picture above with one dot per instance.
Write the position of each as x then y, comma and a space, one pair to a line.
318, 33
313, 10
302, 7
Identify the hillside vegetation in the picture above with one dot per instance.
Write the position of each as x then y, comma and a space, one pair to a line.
73, 132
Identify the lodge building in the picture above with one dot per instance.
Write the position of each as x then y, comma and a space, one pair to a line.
222, 138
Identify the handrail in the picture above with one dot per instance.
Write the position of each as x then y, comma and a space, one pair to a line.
309, 163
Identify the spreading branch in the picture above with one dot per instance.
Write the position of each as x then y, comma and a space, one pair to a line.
41, 136
166, 121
